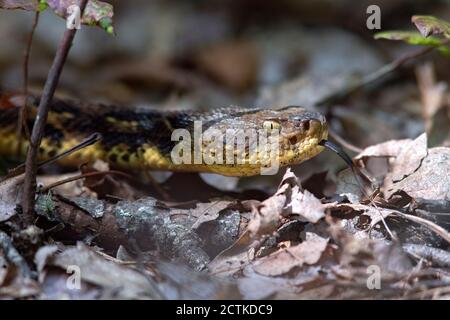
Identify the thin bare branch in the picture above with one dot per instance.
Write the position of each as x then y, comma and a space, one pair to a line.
22, 121
41, 119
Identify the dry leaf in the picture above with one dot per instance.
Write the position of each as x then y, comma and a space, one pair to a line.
390, 148
409, 159
267, 215
288, 200
280, 262
307, 206
348, 186
106, 274
431, 181
10, 195
205, 212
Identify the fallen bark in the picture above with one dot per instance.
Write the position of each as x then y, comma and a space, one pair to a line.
146, 222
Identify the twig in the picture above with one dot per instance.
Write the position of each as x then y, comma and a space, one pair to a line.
374, 76
22, 121
444, 234
156, 185
343, 142
93, 138
84, 175
41, 119
436, 256
21, 168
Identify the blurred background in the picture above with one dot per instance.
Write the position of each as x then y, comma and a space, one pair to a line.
203, 54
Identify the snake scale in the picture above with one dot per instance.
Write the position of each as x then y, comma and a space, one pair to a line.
140, 138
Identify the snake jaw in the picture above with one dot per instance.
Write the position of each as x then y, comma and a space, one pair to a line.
303, 143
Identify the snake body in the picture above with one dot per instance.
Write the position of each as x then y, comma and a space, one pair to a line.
141, 138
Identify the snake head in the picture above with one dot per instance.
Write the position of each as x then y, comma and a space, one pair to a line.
301, 131
298, 133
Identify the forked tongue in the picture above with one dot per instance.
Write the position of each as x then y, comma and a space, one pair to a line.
344, 156
357, 174
341, 153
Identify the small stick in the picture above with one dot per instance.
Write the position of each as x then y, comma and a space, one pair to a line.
22, 121
93, 138
84, 175
378, 74
21, 168
344, 143
41, 119
444, 234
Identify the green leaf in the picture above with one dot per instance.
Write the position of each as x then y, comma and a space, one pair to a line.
415, 38
445, 51
429, 25
42, 5
411, 37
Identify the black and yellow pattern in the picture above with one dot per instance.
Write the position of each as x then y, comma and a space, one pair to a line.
139, 138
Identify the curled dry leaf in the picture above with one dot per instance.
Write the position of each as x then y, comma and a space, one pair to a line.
177, 282
288, 200
373, 213
283, 261
97, 13
364, 252
205, 212
409, 159
348, 186
415, 169
431, 181
306, 206
267, 214
256, 286
429, 25
42, 256
104, 273
10, 195
389, 148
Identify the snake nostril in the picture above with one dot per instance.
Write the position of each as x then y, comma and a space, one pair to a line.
306, 125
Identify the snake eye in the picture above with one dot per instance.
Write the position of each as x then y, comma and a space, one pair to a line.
269, 125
